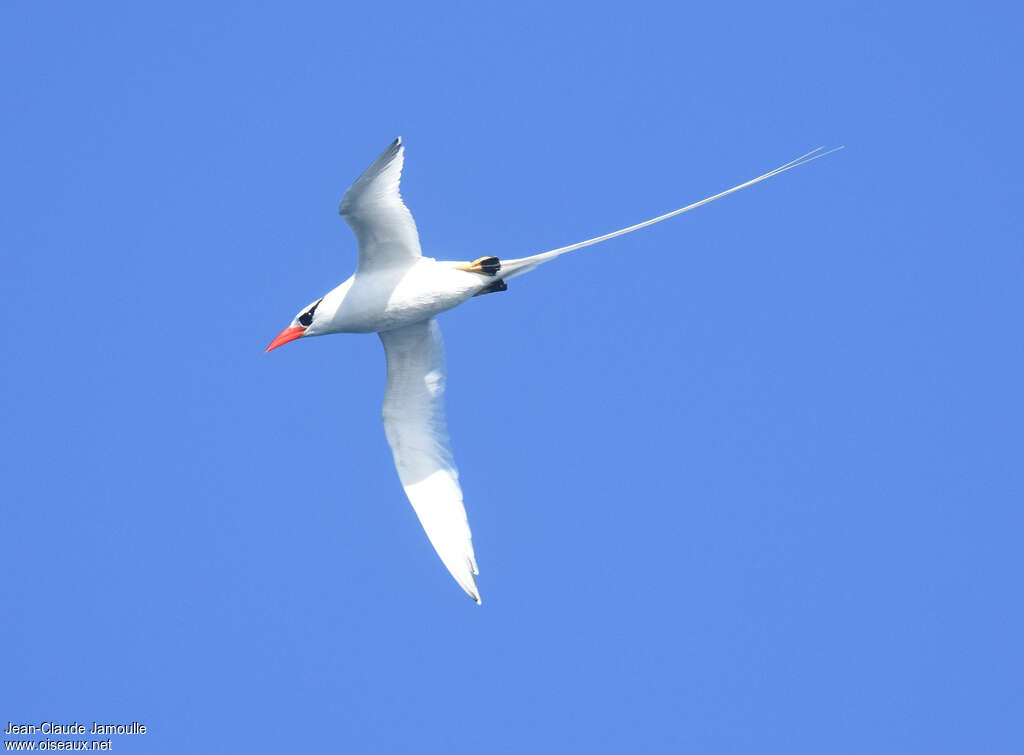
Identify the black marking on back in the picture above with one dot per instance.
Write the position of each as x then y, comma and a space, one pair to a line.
489, 266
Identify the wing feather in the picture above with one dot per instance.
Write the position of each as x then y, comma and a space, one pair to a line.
374, 210
414, 423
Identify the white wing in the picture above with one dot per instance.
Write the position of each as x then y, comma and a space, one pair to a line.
374, 210
414, 423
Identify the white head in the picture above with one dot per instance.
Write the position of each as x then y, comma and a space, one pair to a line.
305, 323
317, 319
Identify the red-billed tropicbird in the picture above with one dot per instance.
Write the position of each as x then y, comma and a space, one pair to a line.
396, 292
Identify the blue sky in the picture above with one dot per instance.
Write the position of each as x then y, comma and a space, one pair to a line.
747, 481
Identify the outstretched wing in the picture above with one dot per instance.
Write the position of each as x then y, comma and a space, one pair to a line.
414, 423
374, 210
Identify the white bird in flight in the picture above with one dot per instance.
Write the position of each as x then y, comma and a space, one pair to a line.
397, 293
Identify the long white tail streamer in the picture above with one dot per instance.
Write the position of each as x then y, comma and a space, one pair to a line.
511, 268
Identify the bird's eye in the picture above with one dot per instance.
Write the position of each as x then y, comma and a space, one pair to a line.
307, 317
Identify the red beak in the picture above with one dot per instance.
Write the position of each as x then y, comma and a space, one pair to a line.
286, 335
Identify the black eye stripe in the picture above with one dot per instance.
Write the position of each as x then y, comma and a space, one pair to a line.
307, 317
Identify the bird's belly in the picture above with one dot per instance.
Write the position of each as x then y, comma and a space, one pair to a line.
384, 301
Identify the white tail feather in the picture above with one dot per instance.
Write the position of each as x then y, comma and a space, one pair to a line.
512, 268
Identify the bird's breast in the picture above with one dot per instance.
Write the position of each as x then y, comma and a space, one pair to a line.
387, 299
